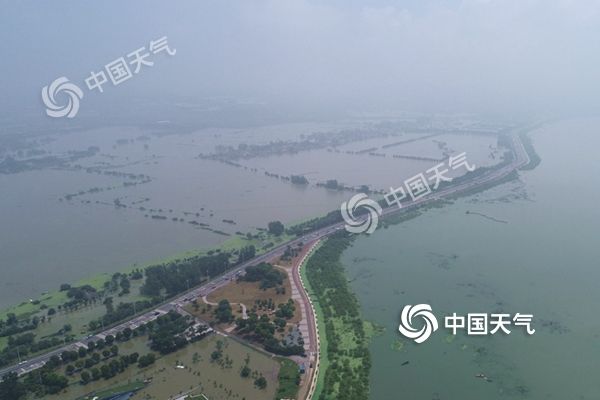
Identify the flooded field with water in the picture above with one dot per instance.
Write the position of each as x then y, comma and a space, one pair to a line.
191, 371
140, 195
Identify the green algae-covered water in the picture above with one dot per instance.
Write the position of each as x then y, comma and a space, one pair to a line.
529, 246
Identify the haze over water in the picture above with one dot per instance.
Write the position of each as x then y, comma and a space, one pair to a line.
86, 235
544, 261
52, 242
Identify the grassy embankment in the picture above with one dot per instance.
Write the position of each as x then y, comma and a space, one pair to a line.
56, 297
345, 361
78, 319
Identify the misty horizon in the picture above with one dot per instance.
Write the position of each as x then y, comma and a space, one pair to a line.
511, 58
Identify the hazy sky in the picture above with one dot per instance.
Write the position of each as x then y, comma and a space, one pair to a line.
510, 56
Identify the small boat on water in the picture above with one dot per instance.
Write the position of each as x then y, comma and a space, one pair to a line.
483, 376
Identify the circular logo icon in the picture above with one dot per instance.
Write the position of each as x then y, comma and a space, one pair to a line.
358, 224
61, 86
422, 311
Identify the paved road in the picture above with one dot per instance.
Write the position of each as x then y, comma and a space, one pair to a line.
307, 326
520, 159
174, 304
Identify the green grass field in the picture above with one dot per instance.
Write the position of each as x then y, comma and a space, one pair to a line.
345, 360
289, 377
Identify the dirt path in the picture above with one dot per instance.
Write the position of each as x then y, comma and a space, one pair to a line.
244, 309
